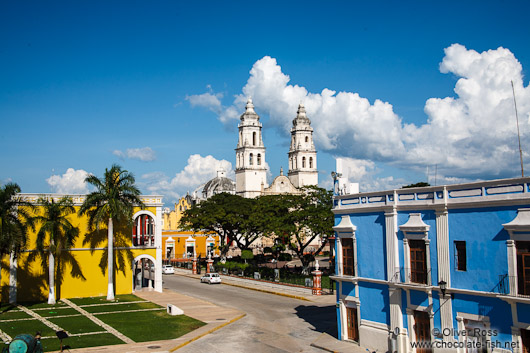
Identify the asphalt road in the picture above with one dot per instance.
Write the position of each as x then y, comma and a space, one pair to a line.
273, 323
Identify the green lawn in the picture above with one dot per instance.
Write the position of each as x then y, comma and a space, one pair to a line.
52, 312
13, 328
104, 339
139, 326
122, 307
9, 312
103, 300
76, 324
151, 325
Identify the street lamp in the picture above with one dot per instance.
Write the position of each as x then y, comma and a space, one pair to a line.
443, 287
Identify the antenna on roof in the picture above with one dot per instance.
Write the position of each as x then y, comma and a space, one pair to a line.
518, 134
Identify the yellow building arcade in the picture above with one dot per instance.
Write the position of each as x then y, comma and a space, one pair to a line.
81, 271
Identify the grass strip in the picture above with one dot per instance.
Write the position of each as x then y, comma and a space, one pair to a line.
151, 325
121, 307
76, 324
103, 300
102, 339
13, 328
52, 312
11, 312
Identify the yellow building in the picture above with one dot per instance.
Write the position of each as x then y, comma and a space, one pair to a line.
82, 270
179, 244
172, 218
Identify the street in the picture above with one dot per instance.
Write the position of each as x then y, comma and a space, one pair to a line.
273, 323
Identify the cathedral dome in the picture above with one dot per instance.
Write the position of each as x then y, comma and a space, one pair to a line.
217, 185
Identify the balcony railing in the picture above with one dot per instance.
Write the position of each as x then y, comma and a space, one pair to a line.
412, 276
509, 285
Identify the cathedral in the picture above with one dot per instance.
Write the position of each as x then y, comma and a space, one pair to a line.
251, 168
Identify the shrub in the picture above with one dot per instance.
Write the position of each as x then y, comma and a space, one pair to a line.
285, 257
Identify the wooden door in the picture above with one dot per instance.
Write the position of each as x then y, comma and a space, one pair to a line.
525, 338
418, 262
353, 330
422, 328
347, 257
523, 267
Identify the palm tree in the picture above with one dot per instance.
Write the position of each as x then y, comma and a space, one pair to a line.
15, 221
57, 232
112, 201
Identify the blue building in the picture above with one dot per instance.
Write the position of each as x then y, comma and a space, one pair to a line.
449, 265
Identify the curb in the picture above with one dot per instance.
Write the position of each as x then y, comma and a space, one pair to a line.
269, 292
207, 333
256, 289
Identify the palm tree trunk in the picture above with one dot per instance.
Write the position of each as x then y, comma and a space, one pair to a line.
110, 264
51, 278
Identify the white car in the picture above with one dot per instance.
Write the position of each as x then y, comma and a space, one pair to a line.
168, 269
211, 278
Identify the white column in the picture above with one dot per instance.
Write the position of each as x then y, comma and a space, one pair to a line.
512, 266
392, 255
442, 246
158, 245
12, 278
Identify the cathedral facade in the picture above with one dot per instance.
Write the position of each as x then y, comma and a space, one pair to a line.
251, 170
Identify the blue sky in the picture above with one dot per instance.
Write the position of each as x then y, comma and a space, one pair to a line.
154, 86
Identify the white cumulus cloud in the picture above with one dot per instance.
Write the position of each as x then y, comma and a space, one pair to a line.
71, 182
471, 135
145, 154
198, 171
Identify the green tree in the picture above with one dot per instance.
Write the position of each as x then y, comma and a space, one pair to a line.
247, 255
223, 214
16, 219
55, 235
111, 202
309, 217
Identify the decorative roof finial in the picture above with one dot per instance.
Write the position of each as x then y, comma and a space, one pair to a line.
250, 106
281, 170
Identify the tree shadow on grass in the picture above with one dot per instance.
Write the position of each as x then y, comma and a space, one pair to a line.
322, 318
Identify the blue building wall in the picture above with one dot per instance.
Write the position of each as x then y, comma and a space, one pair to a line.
486, 250
523, 312
374, 302
487, 254
371, 245
496, 309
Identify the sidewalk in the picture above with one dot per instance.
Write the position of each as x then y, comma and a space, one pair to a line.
300, 293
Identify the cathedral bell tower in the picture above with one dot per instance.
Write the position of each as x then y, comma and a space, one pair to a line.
302, 154
251, 173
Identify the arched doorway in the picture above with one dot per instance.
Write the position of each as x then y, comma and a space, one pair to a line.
144, 271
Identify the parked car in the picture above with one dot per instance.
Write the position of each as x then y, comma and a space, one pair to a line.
168, 269
211, 278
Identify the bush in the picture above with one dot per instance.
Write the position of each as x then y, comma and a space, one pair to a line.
247, 255
285, 257
267, 250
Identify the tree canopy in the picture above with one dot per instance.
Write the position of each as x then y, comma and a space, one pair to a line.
15, 220
294, 221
